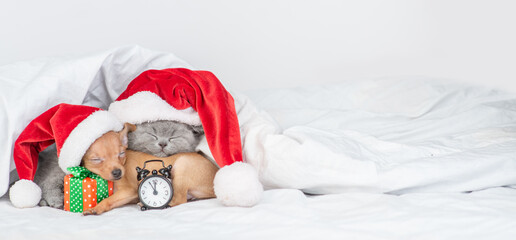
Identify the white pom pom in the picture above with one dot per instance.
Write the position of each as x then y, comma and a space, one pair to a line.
238, 185
24, 194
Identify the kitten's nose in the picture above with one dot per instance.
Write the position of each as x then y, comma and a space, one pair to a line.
162, 144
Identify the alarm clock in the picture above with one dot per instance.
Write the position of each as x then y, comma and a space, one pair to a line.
155, 190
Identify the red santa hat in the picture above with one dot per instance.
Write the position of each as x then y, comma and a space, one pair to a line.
195, 97
73, 128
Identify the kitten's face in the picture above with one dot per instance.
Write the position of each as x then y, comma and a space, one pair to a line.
164, 138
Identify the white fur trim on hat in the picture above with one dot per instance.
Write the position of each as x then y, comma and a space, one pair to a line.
146, 106
238, 185
84, 134
25, 194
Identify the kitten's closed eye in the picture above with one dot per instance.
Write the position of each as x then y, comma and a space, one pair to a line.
152, 135
173, 138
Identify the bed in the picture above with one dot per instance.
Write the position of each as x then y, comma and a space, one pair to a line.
391, 158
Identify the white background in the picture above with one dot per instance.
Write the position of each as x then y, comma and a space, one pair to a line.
268, 43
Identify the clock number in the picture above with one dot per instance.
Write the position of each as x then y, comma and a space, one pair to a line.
154, 204
143, 191
166, 192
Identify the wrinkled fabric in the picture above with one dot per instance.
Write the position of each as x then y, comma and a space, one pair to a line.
389, 135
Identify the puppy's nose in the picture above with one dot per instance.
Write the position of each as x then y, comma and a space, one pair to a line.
162, 144
117, 173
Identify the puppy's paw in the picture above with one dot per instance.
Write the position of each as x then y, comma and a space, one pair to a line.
90, 211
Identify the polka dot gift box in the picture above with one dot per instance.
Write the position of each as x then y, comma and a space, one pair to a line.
84, 189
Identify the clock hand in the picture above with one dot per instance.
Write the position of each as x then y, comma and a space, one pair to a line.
154, 188
155, 191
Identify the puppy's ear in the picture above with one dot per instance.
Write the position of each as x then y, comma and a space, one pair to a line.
131, 127
123, 134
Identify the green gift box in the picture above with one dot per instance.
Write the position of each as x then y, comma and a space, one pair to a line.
84, 189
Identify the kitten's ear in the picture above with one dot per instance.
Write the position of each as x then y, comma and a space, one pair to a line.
198, 130
123, 134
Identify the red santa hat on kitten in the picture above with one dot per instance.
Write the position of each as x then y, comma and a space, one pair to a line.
195, 97
73, 128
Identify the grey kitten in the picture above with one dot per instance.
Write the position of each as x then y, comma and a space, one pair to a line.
165, 138
49, 177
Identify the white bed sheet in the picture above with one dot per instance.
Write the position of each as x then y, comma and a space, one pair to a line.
355, 141
285, 214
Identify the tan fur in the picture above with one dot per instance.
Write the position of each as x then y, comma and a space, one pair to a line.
109, 150
192, 174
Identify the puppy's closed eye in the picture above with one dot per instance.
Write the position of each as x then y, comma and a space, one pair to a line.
96, 160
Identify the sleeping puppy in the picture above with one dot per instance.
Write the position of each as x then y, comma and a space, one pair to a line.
107, 151
192, 177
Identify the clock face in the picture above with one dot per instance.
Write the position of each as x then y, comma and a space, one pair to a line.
155, 191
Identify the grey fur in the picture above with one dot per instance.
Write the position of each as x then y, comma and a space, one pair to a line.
49, 178
173, 136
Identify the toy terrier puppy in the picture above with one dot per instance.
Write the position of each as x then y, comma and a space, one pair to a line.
192, 174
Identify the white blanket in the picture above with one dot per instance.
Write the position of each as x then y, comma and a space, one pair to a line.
424, 140
390, 135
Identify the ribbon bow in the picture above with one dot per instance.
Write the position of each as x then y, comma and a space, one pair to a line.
82, 173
